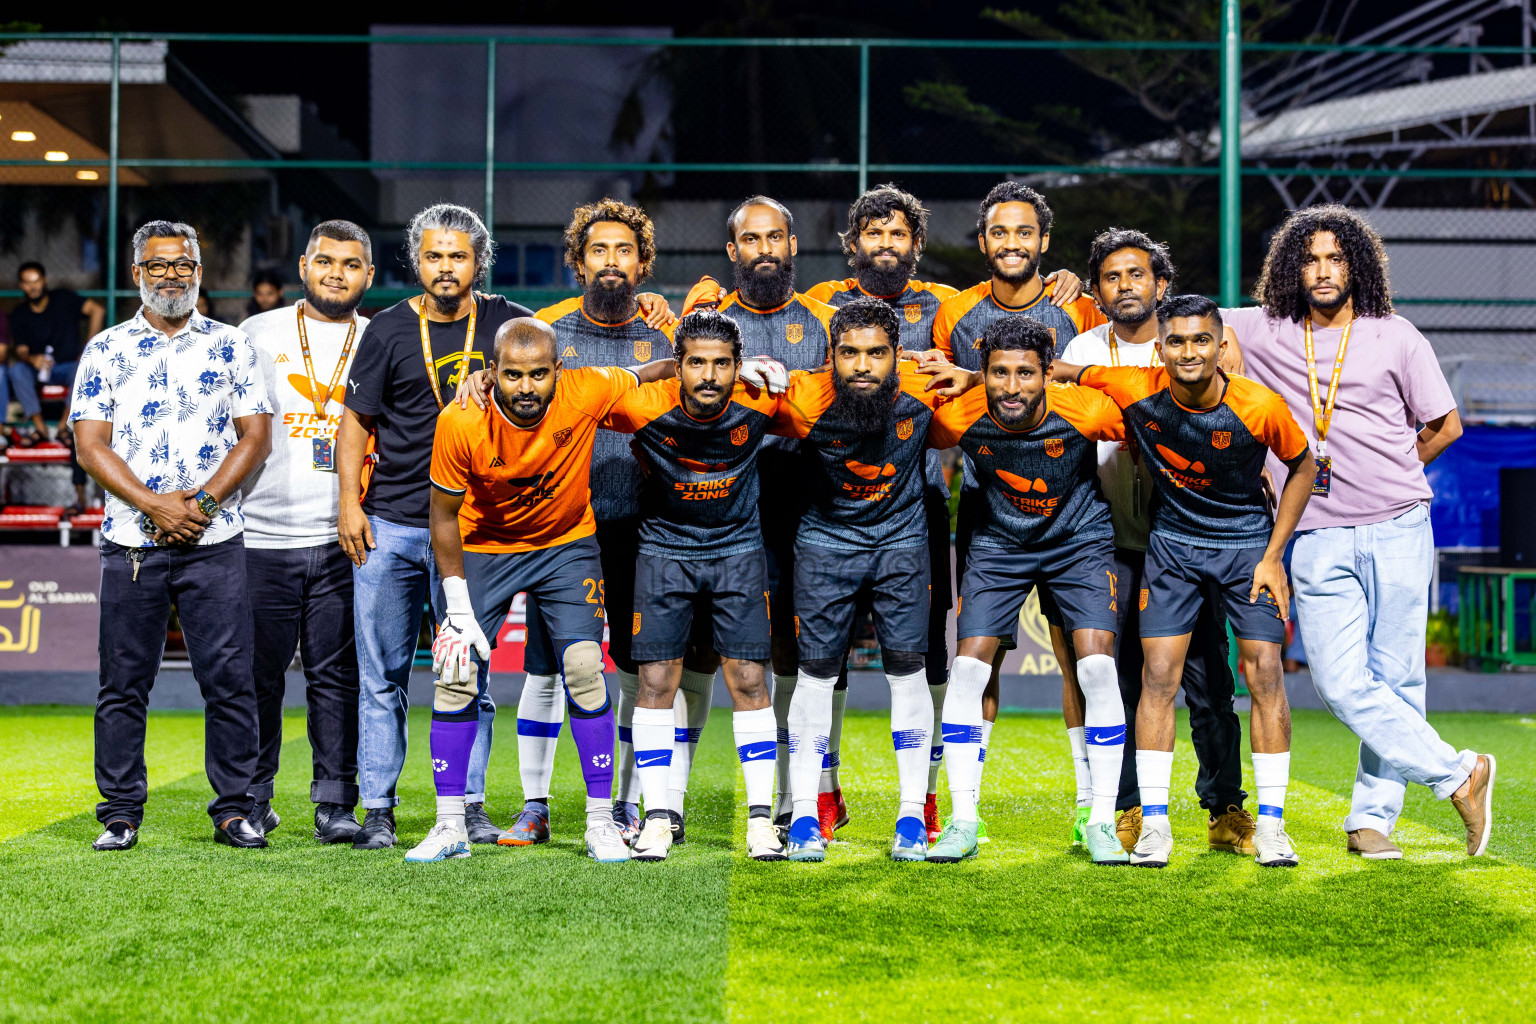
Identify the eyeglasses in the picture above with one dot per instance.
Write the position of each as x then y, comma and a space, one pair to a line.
159, 268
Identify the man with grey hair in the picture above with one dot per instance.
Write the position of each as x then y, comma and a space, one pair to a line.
170, 415
410, 360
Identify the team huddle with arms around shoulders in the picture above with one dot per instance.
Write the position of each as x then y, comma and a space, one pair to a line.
731, 490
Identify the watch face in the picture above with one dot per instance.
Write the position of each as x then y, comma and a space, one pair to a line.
208, 505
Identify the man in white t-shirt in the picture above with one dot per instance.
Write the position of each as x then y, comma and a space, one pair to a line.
1129, 274
300, 579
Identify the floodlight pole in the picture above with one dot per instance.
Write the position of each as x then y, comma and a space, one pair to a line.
490, 136
117, 67
863, 118
1231, 154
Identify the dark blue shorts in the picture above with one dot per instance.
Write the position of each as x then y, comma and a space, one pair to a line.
671, 594
1076, 579
831, 585
565, 581
1180, 576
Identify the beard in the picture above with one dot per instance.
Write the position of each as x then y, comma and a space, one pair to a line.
878, 280
1133, 317
1018, 419
527, 413
865, 412
334, 309
610, 303
706, 405
766, 289
1346, 290
166, 301
1019, 275
446, 304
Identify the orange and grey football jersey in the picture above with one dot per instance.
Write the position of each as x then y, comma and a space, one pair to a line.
917, 306
1040, 486
584, 341
961, 321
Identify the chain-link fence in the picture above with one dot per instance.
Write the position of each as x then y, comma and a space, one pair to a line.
253, 139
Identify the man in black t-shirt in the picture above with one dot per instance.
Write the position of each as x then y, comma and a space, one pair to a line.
409, 362
45, 341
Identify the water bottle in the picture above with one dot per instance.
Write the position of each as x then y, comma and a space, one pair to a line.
46, 369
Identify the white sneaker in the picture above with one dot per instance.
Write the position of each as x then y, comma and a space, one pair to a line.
763, 841
655, 839
1275, 849
446, 841
605, 844
1154, 847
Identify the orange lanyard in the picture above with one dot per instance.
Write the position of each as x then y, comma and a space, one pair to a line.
315, 395
1322, 413
426, 348
1114, 351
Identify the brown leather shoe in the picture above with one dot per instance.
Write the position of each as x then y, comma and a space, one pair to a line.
1128, 828
1232, 831
1476, 808
1372, 845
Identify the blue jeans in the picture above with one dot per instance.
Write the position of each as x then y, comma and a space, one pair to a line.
1362, 598
24, 384
389, 592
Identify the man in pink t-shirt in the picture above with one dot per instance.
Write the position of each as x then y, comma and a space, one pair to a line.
1364, 549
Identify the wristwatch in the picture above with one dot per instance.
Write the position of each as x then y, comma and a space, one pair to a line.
207, 503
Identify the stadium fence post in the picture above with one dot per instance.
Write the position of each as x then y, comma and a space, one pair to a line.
117, 65
490, 135
1231, 153
863, 117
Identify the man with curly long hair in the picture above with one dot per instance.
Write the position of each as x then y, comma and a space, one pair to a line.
1326, 337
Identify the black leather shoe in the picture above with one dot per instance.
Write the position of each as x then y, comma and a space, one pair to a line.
678, 833
120, 835
263, 818
335, 823
239, 833
479, 826
378, 831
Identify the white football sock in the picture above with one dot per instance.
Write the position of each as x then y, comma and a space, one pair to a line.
451, 810
936, 737
1079, 744
833, 758
911, 714
1271, 775
540, 710
756, 745
1154, 774
1104, 721
626, 784
962, 732
810, 723
981, 758
654, 754
783, 693
599, 810
691, 708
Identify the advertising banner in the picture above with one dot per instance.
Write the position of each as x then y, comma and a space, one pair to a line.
48, 608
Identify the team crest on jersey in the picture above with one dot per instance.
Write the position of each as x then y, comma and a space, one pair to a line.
1221, 438
794, 334
563, 437
1054, 447
643, 351
904, 428
569, 353
739, 435
635, 629
913, 312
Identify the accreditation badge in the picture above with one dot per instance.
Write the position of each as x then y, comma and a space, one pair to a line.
324, 454
1323, 482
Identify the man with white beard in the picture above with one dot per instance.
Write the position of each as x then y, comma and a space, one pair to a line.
170, 415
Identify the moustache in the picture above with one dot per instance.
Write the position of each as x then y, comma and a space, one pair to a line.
764, 260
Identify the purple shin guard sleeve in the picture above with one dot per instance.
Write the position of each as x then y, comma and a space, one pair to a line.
594, 736
451, 743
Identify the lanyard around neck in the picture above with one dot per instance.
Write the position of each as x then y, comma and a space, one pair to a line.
321, 399
426, 348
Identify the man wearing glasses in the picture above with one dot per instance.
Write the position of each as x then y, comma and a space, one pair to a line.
170, 415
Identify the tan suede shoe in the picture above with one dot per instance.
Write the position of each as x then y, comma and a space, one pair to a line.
1128, 828
1372, 845
1232, 831
1476, 808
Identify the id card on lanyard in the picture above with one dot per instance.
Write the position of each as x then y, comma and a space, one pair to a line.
426, 349
323, 449
1322, 409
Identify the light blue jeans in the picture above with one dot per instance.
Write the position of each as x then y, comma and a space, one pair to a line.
389, 592
1362, 598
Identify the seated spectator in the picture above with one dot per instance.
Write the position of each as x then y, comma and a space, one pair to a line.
46, 341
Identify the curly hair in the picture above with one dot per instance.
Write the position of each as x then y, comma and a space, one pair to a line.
1280, 290
1015, 192
608, 209
875, 206
1018, 333
865, 312
1111, 240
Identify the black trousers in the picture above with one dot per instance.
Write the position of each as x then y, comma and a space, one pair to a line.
302, 597
1214, 729
207, 587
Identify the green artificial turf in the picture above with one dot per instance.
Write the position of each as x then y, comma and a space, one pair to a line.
182, 929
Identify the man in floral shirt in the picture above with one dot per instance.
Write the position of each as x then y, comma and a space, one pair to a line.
170, 415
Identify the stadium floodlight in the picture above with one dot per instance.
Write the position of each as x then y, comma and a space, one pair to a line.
56, 155
23, 136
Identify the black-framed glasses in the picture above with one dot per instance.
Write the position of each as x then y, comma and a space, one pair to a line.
159, 268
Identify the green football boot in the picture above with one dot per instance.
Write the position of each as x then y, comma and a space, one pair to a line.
1104, 845
958, 842
981, 828
1080, 828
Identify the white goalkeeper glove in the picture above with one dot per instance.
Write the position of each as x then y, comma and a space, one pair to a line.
765, 373
459, 637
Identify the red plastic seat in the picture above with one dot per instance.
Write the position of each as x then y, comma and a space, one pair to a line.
31, 517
